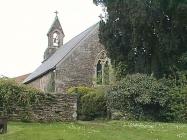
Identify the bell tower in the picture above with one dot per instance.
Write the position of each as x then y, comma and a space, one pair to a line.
55, 38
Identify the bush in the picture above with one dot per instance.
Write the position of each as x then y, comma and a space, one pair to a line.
139, 97
14, 95
80, 90
176, 107
93, 105
91, 102
142, 97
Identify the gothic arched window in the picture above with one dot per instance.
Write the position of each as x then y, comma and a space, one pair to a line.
102, 69
99, 73
55, 39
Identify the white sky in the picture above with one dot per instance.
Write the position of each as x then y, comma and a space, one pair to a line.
25, 23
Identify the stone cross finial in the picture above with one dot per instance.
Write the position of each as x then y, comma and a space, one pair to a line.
56, 12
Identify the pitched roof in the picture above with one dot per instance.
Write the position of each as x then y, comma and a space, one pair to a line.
59, 55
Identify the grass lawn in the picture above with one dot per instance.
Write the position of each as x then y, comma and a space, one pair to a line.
112, 130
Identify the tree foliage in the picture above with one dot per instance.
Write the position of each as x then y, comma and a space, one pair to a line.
145, 36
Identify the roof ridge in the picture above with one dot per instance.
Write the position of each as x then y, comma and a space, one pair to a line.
78, 41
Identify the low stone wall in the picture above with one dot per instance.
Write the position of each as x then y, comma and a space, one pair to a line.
50, 107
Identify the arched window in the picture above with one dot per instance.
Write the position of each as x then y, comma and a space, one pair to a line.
56, 39
102, 69
99, 73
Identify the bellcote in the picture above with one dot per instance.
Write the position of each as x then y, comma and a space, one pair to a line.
55, 38
55, 34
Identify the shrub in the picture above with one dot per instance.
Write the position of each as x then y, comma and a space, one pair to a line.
91, 102
93, 105
142, 97
176, 107
80, 90
139, 97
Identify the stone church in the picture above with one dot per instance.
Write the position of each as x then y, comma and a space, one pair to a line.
80, 62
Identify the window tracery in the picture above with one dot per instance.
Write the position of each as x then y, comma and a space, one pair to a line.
102, 69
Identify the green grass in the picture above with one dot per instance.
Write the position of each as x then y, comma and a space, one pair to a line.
112, 130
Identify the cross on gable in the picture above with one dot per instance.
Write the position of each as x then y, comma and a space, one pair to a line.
56, 12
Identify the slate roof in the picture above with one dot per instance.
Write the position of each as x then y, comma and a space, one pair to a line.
59, 55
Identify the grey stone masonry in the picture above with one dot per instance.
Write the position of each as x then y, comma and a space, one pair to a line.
50, 107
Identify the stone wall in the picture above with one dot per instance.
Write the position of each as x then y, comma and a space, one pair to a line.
50, 107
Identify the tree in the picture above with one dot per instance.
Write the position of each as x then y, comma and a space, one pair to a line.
145, 36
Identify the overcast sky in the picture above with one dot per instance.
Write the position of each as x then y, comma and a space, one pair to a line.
24, 25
